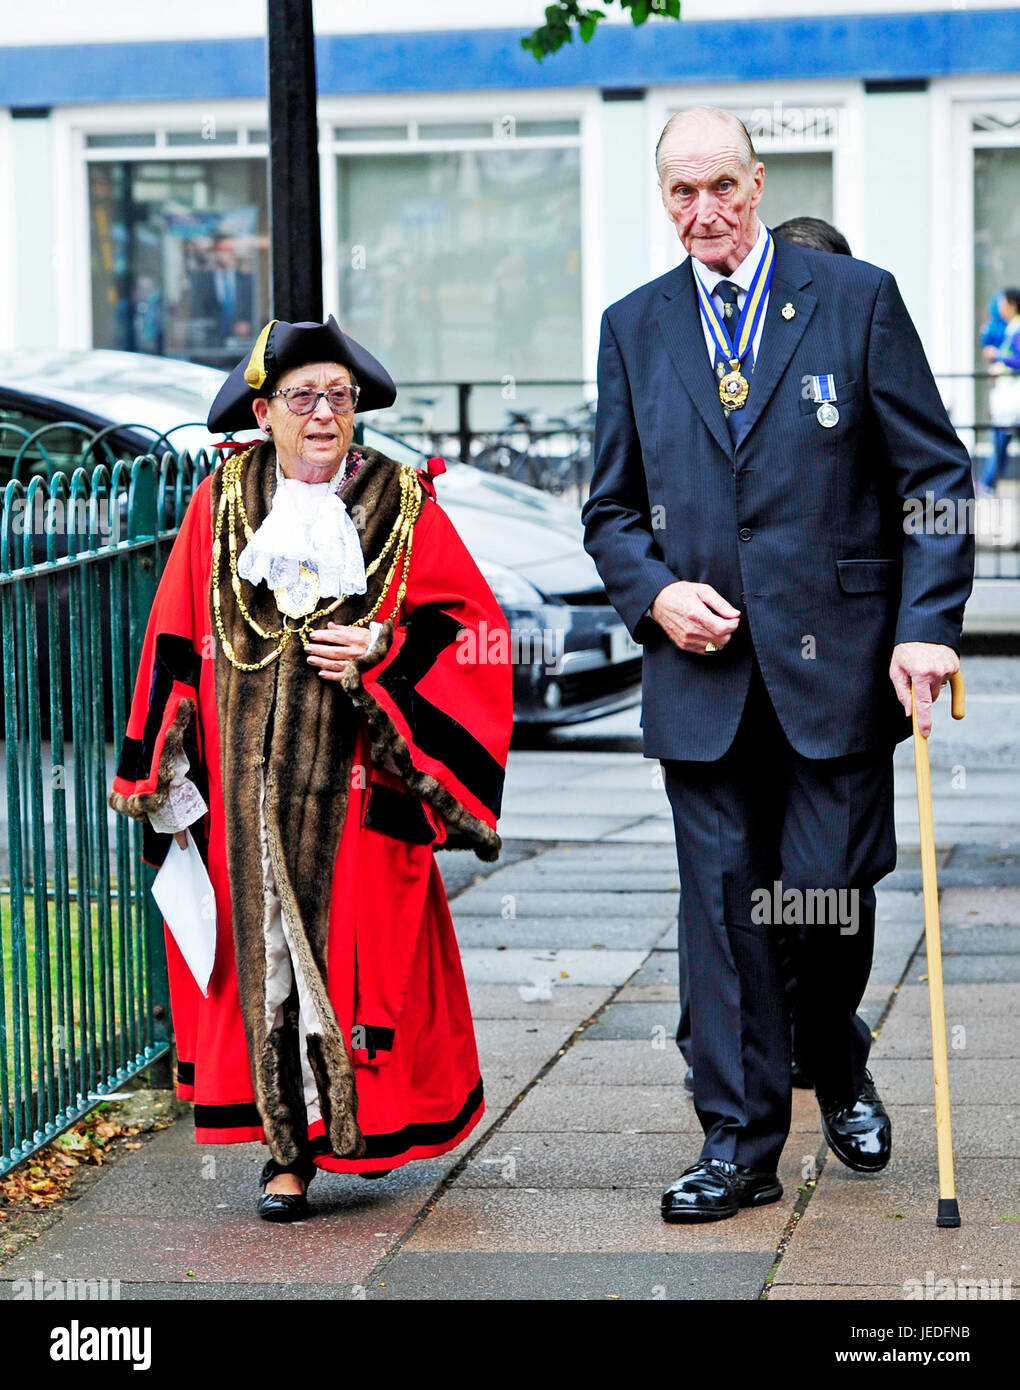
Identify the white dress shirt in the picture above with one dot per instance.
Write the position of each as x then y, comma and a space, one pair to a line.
741, 277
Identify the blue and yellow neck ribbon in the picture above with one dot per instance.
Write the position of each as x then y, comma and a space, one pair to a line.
735, 349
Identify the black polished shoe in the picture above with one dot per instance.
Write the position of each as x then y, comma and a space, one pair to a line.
713, 1189
285, 1206
689, 1080
859, 1134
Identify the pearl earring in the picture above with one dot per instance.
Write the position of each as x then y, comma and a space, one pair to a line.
268, 429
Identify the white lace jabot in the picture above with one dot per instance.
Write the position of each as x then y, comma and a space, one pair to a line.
307, 523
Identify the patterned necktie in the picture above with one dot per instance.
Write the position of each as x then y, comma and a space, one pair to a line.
727, 292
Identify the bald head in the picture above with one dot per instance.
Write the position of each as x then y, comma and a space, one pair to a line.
711, 181
711, 125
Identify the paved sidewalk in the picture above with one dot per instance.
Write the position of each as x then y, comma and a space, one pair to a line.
569, 954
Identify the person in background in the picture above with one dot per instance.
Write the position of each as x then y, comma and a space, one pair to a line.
1000, 340
814, 233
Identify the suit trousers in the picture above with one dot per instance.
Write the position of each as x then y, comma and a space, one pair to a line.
777, 853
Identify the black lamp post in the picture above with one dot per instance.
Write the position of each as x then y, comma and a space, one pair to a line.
294, 213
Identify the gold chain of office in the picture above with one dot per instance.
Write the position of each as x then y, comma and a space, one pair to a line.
231, 510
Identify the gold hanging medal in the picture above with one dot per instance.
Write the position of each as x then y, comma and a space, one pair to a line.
734, 386
298, 598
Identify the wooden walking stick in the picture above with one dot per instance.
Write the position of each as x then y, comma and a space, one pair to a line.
948, 1209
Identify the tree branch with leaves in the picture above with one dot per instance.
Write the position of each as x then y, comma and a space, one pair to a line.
562, 18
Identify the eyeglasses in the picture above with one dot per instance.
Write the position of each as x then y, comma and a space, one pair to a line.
302, 400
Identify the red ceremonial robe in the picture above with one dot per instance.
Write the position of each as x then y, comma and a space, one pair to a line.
437, 705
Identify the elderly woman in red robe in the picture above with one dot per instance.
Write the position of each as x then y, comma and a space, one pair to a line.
317, 706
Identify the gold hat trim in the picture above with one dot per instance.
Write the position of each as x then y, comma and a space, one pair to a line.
255, 372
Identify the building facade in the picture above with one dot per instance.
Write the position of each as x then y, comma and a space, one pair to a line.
479, 209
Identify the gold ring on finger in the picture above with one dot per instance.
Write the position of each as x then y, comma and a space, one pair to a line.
710, 647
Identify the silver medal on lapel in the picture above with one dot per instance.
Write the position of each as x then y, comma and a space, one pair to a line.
824, 391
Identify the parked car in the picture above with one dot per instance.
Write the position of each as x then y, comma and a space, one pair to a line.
573, 657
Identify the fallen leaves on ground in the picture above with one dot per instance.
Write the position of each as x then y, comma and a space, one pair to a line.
46, 1177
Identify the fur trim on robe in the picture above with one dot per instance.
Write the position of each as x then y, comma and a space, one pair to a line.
287, 722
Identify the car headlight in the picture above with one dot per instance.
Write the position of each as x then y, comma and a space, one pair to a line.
511, 590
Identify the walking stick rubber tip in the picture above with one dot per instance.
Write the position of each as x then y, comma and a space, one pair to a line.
949, 1212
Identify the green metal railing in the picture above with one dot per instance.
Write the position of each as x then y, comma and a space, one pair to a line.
84, 1001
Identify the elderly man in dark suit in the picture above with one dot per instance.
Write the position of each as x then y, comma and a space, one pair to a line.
766, 422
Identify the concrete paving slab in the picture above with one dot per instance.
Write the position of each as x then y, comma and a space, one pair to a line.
660, 968
573, 1004
582, 798
667, 941
544, 969
194, 1291
979, 1131
457, 1276
557, 825
341, 1246
971, 969
596, 878
639, 1061
624, 932
656, 1109
988, 1190
522, 1046
971, 1034
578, 1161
898, 905
522, 1221
169, 1187
994, 905
971, 1001
642, 831
989, 1081
491, 899
638, 773
981, 939
838, 1249
788, 1293
649, 1021
662, 993
634, 858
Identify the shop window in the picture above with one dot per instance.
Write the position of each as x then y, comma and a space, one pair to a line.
179, 256
464, 265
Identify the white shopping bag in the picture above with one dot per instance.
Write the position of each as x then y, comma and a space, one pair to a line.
184, 895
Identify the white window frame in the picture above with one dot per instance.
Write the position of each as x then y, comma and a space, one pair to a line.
72, 155
8, 304
415, 109
955, 102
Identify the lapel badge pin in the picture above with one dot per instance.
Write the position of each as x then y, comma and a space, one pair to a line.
788, 311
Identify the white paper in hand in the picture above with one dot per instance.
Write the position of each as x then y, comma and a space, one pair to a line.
184, 895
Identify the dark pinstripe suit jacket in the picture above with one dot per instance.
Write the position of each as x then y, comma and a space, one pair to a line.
801, 527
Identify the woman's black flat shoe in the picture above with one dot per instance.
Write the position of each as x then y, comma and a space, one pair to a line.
284, 1206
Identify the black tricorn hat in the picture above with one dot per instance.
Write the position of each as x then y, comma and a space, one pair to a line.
281, 346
